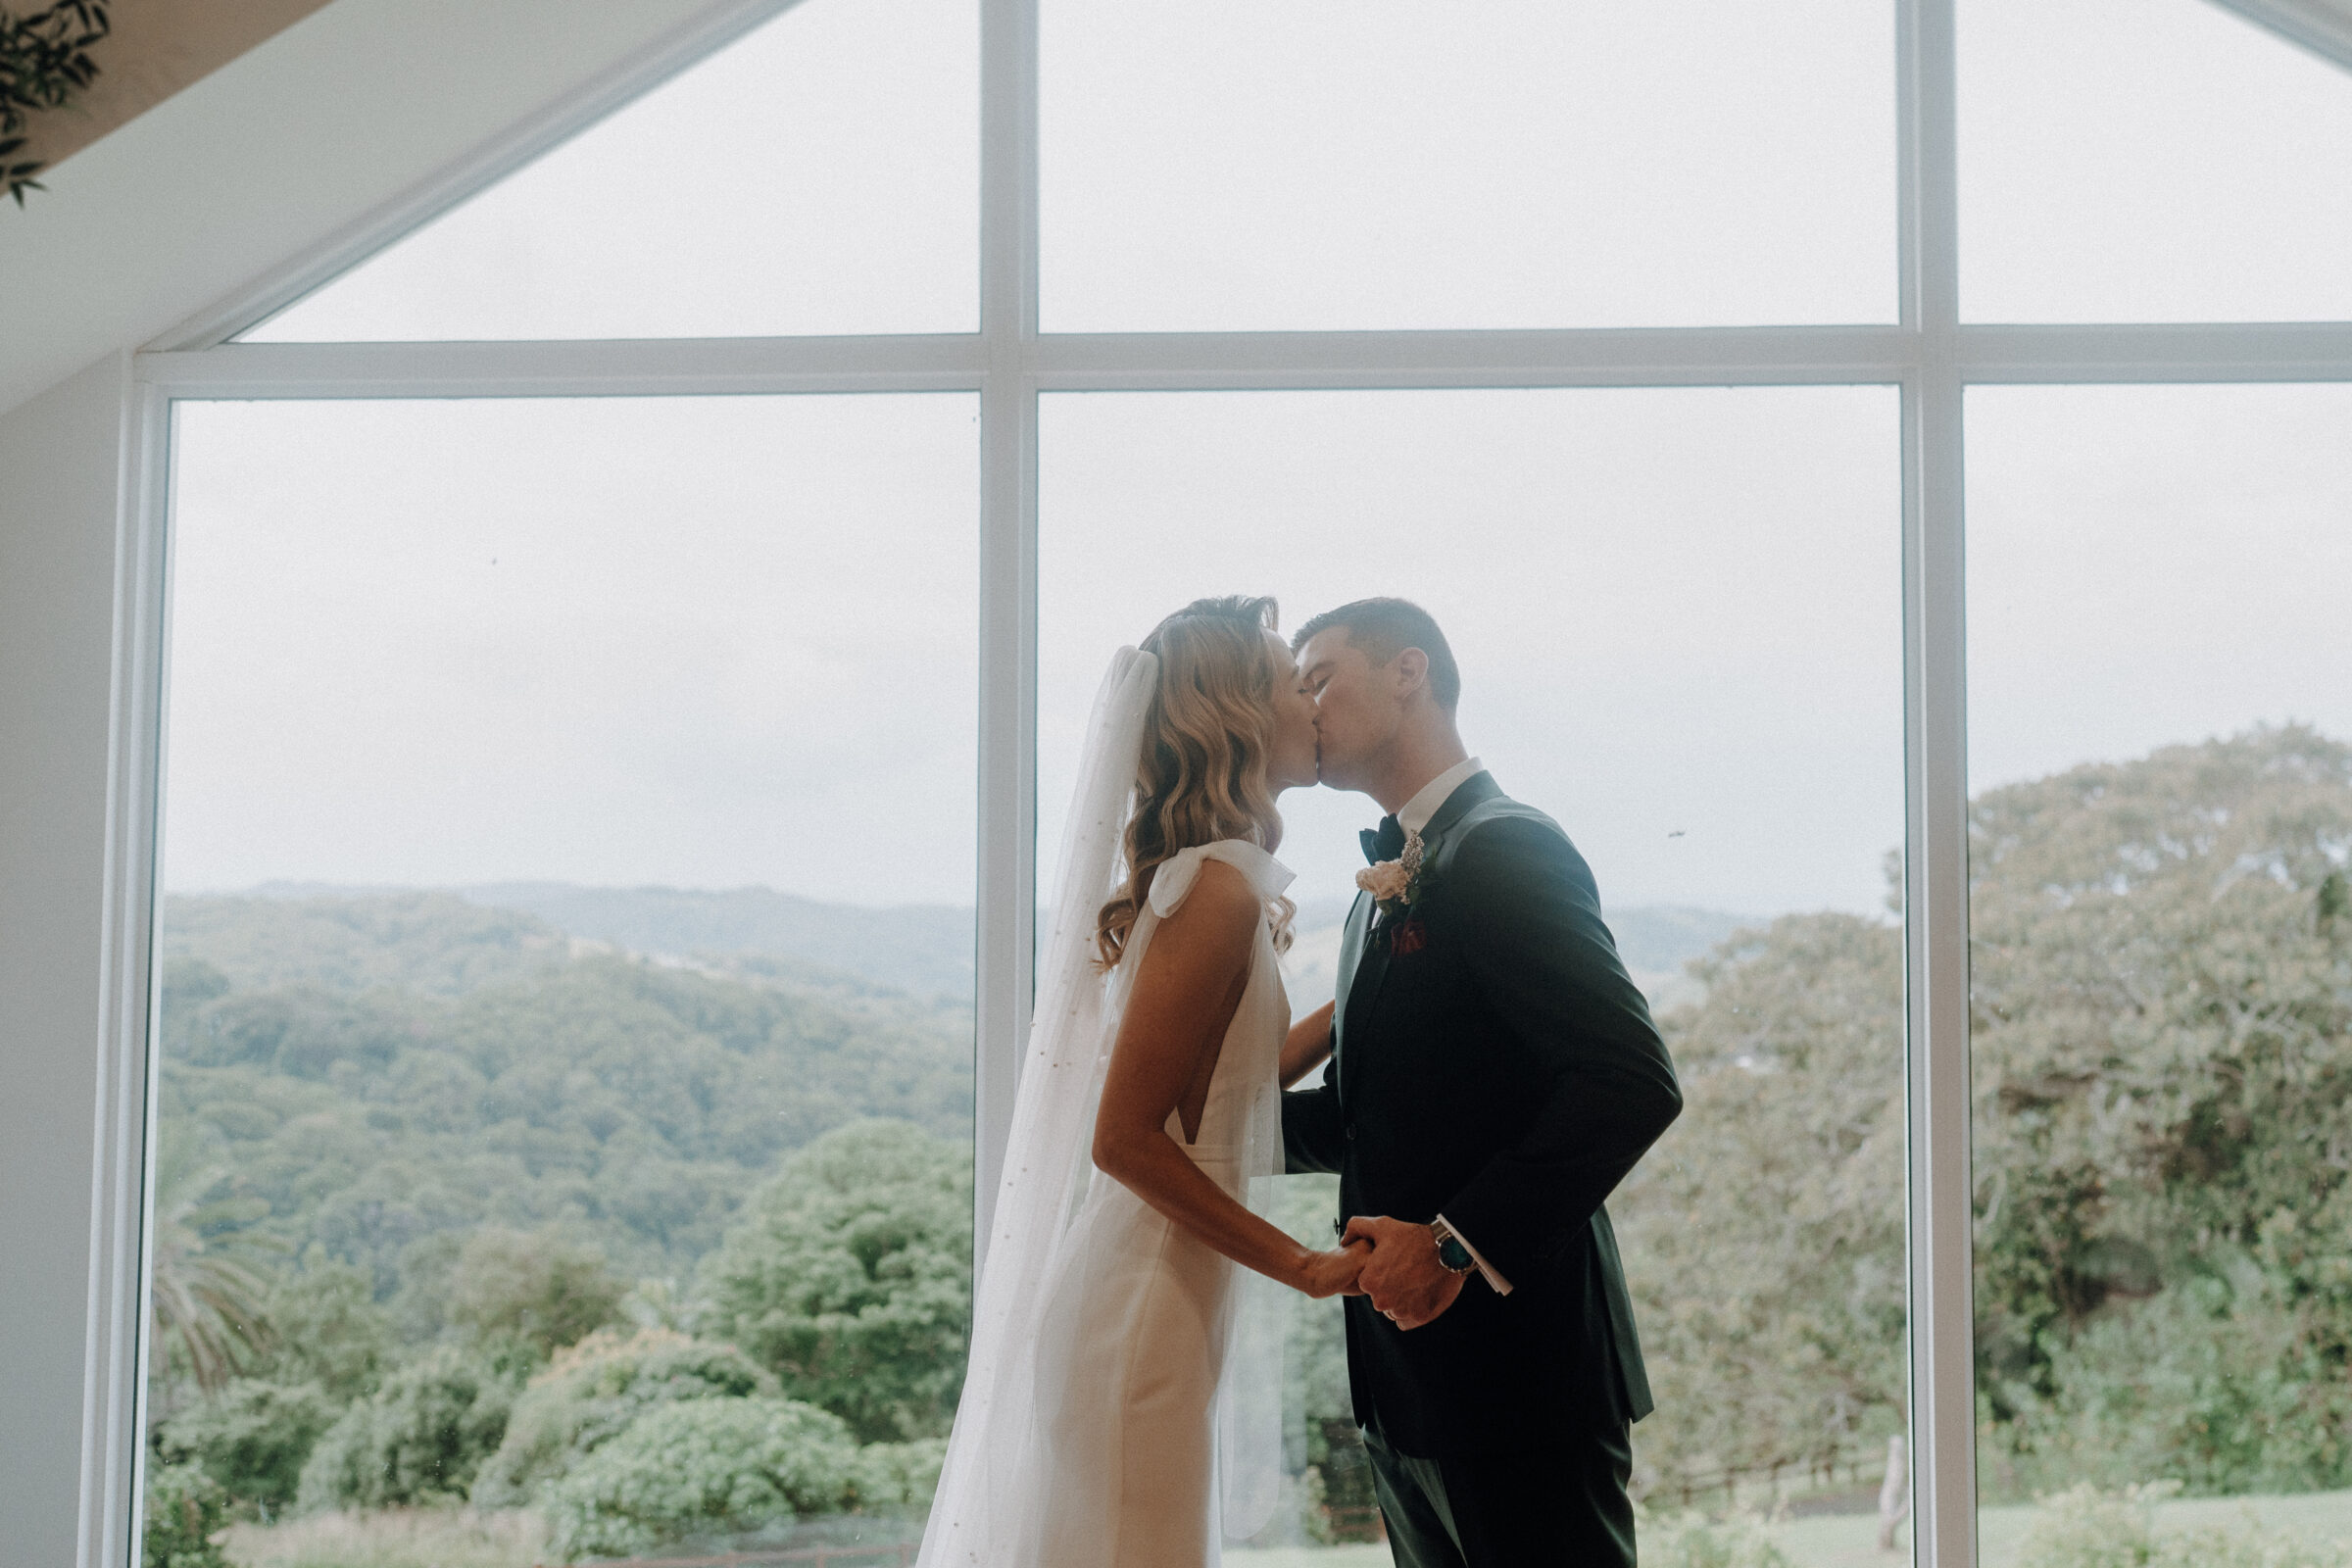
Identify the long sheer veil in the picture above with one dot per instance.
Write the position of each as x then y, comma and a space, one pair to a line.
978, 1514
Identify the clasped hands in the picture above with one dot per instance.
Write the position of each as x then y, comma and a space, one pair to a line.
1400, 1272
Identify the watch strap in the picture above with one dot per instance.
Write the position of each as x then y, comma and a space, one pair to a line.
1452, 1256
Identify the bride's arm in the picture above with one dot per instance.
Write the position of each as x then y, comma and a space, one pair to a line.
1309, 1045
1191, 979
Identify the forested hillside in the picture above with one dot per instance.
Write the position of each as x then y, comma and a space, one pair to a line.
381, 1071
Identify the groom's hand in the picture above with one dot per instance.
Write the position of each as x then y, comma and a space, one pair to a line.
1408, 1284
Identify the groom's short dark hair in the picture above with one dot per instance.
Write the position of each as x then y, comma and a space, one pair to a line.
1383, 628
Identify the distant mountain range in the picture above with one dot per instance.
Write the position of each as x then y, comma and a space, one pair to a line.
1656, 940
922, 949
1660, 938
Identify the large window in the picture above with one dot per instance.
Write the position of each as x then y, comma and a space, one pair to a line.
1617, 570
2161, 841
624, 640
565, 962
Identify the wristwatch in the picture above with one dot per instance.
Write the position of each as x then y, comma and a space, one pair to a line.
1452, 1256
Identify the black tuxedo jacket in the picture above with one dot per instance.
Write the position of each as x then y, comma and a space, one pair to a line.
1498, 1066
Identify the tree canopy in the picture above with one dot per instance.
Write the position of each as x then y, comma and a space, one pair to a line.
849, 1276
2162, 1046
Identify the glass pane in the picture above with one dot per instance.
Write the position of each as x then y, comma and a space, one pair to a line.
1678, 619
566, 967
2162, 948
1249, 165
820, 174
2149, 161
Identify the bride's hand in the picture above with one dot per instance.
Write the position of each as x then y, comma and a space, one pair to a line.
1333, 1273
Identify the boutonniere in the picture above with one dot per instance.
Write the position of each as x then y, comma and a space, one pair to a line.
1395, 887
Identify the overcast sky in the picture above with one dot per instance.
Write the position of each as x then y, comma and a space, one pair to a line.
729, 641
1676, 612
703, 642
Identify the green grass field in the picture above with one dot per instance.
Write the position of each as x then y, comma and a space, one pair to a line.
398, 1538
461, 1538
1850, 1541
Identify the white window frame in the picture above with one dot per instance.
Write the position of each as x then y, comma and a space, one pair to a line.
1928, 354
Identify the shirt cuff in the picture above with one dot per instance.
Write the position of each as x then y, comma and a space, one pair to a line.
1486, 1270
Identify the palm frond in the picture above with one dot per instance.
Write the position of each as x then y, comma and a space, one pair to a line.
208, 1278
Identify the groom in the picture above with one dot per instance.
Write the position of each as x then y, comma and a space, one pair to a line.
1494, 1074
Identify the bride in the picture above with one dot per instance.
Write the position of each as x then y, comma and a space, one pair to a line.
1122, 1405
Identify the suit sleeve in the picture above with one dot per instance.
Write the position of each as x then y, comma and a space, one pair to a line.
1314, 1130
1537, 947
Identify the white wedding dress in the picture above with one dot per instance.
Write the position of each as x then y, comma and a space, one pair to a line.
1141, 1311
1122, 1402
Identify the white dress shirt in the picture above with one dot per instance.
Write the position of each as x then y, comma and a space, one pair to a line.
1413, 816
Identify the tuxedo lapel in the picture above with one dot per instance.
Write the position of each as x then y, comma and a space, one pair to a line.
1362, 986
1354, 938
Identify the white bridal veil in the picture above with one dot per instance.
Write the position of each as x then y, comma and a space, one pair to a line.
978, 1516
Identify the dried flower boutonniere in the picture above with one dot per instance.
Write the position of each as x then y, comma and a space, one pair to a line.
1395, 887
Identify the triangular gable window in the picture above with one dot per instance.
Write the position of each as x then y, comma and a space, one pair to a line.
819, 174
1240, 166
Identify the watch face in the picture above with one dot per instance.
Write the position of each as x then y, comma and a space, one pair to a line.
1453, 1254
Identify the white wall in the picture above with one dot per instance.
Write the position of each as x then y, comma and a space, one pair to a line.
59, 467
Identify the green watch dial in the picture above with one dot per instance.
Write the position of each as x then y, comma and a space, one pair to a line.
1453, 1254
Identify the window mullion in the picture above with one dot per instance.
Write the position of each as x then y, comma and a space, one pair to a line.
114, 1401
1935, 862
1007, 783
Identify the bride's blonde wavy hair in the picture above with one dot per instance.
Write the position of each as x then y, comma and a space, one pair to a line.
1202, 773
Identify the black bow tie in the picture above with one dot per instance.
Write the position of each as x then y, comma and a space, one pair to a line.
1385, 842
